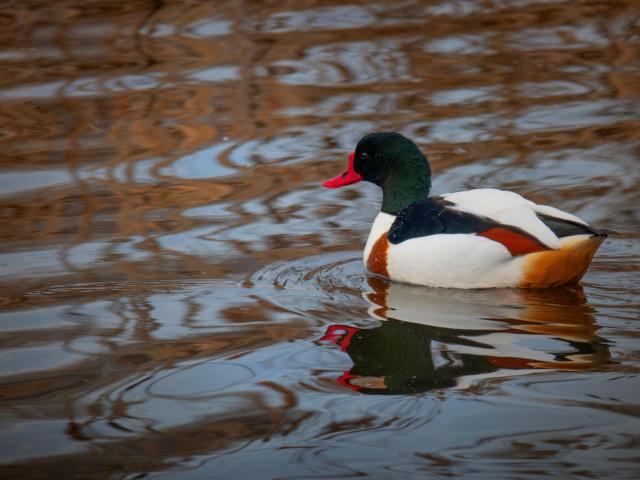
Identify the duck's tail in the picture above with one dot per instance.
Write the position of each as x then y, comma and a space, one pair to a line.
564, 266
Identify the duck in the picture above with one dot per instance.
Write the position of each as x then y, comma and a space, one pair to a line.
472, 239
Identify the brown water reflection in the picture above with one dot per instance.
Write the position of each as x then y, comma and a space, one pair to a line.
168, 259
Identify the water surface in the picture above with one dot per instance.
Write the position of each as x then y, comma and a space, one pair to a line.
181, 299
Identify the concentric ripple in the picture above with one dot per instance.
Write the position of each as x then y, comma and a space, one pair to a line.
336, 276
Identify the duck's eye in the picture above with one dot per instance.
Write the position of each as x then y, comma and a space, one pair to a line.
364, 155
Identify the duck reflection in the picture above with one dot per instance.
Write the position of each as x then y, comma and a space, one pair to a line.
436, 338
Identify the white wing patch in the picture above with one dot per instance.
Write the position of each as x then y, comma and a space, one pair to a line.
509, 208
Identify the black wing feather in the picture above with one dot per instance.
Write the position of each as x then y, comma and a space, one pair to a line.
431, 217
566, 228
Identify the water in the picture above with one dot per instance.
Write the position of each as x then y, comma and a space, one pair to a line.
181, 299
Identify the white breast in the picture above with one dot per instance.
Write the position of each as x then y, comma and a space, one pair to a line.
381, 224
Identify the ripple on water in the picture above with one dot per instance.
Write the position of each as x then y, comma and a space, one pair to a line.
198, 382
336, 276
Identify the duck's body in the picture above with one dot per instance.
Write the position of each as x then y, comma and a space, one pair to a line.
472, 239
509, 244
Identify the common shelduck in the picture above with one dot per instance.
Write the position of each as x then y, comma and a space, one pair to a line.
482, 238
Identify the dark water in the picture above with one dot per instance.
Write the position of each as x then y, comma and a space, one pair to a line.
182, 300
